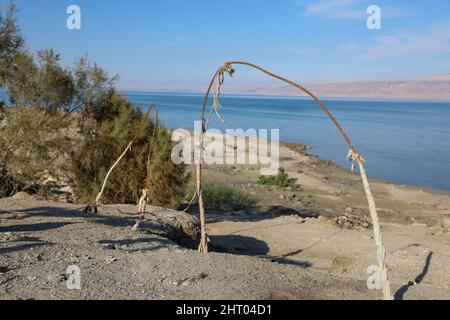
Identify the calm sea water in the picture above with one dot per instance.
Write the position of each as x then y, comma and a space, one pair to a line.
402, 141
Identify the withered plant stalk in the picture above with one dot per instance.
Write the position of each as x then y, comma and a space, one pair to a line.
142, 205
353, 155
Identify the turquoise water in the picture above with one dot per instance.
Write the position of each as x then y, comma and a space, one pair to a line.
402, 141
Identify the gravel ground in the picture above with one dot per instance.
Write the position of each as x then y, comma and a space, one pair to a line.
40, 240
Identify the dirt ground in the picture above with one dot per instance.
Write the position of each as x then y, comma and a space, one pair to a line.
313, 243
41, 240
325, 225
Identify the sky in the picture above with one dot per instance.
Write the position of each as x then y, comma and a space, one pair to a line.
178, 44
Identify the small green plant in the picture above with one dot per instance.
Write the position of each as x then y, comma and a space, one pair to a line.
281, 180
216, 195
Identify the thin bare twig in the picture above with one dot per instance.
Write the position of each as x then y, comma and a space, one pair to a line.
128, 148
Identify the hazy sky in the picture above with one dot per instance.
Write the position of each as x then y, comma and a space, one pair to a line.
178, 44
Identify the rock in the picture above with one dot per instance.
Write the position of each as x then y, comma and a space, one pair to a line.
352, 222
111, 260
193, 280
8, 236
67, 189
187, 282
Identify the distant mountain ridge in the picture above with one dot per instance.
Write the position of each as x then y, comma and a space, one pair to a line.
429, 87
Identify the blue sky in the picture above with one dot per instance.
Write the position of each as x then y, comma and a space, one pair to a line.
178, 44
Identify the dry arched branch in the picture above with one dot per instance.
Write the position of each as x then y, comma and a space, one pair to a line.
216, 83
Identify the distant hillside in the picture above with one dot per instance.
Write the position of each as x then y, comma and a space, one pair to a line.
431, 87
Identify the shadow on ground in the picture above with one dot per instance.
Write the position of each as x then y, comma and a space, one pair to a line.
34, 227
22, 243
400, 294
67, 216
248, 246
240, 245
53, 212
253, 214
144, 244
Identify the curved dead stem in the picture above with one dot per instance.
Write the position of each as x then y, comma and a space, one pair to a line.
354, 157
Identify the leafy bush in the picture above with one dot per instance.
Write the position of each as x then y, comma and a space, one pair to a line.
11, 42
166, 181
216, 195
101, 144
148, 164
34, 136
71, 121
281, 180
32, 144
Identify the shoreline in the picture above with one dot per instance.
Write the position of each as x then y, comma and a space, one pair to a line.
332, 191
387, 181
304, 148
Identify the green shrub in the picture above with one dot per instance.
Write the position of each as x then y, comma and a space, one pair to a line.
33, 135
166, 181
101, 148
71, 122
11, 42
103, 141
32, 143
97, 154
216, 195
281, 180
